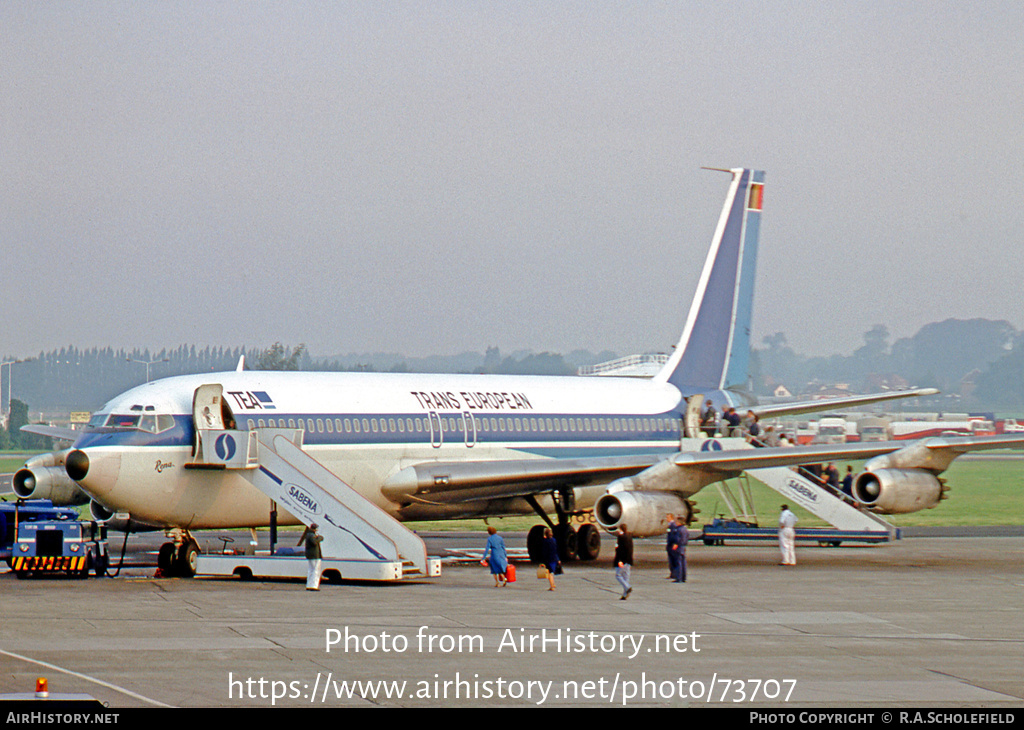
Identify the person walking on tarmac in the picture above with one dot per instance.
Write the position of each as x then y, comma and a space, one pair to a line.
787, 536
496, 557
672, 547
624, 561
678, 536
551, 559
313, 556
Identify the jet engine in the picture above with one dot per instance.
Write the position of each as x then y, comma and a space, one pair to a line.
99, 513
643, 513
44, 477
898, 491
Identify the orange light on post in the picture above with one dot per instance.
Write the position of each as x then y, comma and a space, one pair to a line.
42, 688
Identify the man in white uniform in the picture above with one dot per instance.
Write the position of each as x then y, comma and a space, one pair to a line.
787, 536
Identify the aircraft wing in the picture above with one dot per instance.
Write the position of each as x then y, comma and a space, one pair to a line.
467, 481
742, 459
460, 481
65, 434
771, 410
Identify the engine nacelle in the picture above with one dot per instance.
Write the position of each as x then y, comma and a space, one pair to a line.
99, 513
898, 491
44, 477
643, 513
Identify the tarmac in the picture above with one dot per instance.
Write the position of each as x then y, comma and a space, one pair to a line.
923, 622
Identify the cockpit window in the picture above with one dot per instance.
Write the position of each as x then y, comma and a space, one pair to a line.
122, 420
137, 420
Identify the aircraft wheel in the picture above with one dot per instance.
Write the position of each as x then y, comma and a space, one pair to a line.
90, 561
165, 559
187, 560
568, 542
535, 544
589, 542
100, 565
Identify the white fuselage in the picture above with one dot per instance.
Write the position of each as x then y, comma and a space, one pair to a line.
364, 427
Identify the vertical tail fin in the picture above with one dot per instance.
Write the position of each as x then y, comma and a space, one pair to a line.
714, 351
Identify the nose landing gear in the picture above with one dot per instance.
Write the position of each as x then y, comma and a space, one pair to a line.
178, 559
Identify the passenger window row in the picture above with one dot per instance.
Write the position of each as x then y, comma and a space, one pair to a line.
483, 424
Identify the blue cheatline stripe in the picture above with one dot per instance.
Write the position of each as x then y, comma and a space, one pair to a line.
661, 427
271, 475
362, 542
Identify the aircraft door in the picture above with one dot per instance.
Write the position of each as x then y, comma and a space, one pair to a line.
691, 419
436, 432
210, 412
469, 427
206, 407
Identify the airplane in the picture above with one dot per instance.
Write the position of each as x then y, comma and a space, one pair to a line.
438, 446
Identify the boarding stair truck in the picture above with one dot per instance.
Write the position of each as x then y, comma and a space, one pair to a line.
850, 523
360, 540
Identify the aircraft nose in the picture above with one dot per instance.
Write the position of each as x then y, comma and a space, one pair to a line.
77, 465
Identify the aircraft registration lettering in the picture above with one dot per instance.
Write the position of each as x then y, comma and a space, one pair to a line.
475, 401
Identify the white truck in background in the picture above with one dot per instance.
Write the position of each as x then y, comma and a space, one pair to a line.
873, 429
831, 430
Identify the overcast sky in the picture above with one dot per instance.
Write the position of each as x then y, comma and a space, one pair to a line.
436, 177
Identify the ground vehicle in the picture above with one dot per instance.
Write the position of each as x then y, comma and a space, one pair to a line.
831, 431
60, 546
26, 510
873, 429
904, 430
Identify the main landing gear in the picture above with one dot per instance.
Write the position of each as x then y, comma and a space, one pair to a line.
179, 558
573, 544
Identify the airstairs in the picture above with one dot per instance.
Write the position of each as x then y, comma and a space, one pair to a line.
360, 540
850, 523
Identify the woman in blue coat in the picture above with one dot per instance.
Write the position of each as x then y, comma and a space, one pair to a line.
551, 559
495, 556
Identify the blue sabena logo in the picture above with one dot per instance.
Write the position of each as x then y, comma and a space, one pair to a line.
303, 498
225, 447
711, 445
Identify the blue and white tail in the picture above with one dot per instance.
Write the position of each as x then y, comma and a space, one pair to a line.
714, 351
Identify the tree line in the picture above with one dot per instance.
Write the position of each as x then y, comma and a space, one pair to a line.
978, 362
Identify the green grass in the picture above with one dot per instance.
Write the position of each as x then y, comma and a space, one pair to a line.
9, 465
980, 493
